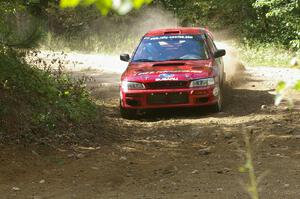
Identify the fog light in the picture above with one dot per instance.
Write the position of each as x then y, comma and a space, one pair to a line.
216, 91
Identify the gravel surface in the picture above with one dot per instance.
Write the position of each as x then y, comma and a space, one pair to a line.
171, 153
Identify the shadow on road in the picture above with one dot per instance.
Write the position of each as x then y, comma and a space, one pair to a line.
237, 102
240, 97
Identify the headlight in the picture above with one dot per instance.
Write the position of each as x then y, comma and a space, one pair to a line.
132, 85
202, 82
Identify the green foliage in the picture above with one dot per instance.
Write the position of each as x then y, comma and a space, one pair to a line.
283, 89
297, 86
258, 23
212, 13
18, 26
280, 86
49, 100
266, 21
279, 19
280, 89
69, 3
121, 7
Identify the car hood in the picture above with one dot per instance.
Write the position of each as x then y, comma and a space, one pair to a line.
168, 71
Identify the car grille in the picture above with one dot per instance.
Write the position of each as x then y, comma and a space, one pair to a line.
168, 98
166, 85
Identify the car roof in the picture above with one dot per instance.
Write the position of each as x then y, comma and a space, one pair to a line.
178, 31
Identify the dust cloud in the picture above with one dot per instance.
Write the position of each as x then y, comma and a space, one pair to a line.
136, 26
153, 18
233, 66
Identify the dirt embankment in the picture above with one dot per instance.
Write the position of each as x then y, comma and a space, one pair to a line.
175, 153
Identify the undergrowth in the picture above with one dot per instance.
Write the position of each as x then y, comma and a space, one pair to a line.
39, 102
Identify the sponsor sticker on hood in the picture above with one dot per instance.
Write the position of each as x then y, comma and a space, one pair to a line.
166, 77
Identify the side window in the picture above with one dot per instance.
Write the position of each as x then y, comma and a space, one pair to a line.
211, 44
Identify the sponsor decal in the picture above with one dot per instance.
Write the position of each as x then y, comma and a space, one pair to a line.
169, 37
166, 77
176, 71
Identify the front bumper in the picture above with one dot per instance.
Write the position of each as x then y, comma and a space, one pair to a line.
168, 98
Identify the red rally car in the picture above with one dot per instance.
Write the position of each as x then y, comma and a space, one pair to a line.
179, 67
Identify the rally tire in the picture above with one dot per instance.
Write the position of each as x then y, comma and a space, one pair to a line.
128, 113
218, 107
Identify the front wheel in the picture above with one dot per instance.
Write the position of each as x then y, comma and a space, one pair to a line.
218, 107
127, 113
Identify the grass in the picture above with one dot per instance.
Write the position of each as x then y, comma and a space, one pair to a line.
104, 43
273, 55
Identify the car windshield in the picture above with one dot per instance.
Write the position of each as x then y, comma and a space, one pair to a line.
171, 47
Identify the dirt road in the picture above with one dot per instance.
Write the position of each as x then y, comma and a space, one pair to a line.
177, 153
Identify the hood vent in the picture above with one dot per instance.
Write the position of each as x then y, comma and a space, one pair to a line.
169, 64
172, 32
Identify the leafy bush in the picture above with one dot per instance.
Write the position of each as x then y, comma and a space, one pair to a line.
265, 21
278, 21
40, 101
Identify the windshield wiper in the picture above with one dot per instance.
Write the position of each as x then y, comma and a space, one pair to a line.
144, 60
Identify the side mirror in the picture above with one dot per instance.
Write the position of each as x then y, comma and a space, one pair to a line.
219, 53
125, 57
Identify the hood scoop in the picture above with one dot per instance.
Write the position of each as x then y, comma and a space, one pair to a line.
169, 64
